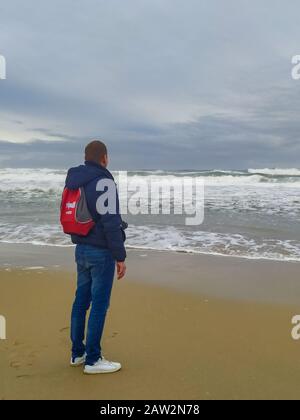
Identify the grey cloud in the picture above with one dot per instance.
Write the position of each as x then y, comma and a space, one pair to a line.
167, 84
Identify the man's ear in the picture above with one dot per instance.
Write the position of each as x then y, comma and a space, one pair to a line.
104, 161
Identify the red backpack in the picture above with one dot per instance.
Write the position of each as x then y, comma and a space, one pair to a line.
75, 216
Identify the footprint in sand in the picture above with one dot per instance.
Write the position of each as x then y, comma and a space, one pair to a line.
64, 329
64, 339
31, 357
113, 335
18, 343
15, 365
22, 355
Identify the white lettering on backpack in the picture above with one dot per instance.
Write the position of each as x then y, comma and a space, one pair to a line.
71, 205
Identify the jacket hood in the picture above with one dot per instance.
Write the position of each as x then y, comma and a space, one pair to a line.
82, 175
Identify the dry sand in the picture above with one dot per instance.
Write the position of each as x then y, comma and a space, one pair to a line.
172, 344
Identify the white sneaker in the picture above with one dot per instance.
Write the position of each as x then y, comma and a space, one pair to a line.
102, 366
78, 361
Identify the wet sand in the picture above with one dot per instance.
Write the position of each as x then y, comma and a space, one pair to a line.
220, 277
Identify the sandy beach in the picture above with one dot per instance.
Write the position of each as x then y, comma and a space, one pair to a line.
175, 341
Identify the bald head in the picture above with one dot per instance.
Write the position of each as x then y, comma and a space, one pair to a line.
96, 151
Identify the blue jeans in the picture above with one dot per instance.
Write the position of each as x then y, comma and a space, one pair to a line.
96, 269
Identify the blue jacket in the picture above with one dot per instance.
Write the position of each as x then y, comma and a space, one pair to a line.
109, 230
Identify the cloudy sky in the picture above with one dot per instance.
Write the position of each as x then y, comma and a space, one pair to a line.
166, 83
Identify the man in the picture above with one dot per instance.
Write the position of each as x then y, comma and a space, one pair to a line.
97, 255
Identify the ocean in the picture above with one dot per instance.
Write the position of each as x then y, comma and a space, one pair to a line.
251, 213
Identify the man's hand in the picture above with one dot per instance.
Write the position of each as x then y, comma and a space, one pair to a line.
121, 270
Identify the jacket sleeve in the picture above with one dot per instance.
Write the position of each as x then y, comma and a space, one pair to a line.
114, 233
